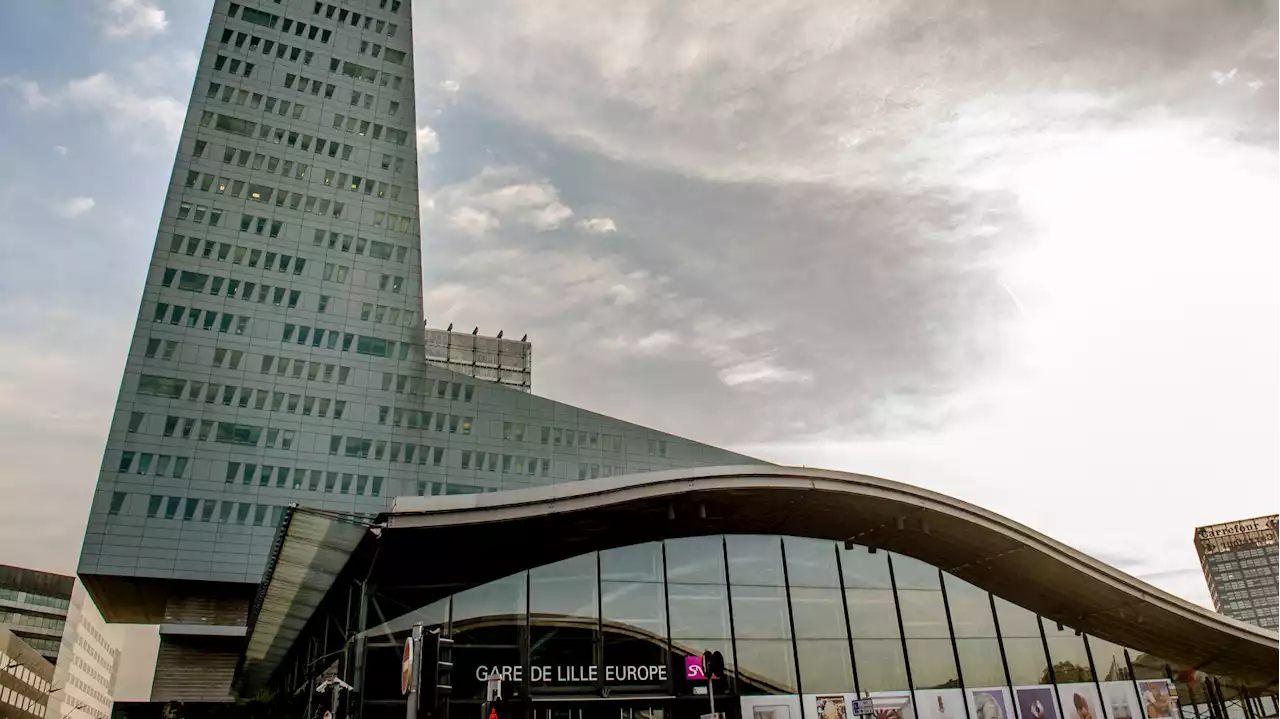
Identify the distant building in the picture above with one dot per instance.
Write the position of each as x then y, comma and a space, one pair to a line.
25, 678
504, 361
1240, 565
87, 664
34, 605
50, 614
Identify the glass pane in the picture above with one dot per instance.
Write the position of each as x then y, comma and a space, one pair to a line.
637, 605
980, 662
474, 609
755, 559
695, 560
1026, 661
766, 666
818, 613
1067, 652
565, 588
863, 569
933, 663
760, 613
698, 610
880, 664
923, 614
970, 609
910, 573
811, 563
637, 563
825, 665
872, 613
1108, 660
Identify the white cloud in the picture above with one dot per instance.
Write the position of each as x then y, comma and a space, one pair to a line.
61, 150
134, 19
500, 196
125, 110
144, 117
33, 98
428, 141
470, 221
598, 225
762, 371
74, 207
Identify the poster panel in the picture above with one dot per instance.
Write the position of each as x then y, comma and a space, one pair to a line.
1036, 702
1158, 699
1080, 700
779, 706
940, 704
991, 703
893, 705
1121, 700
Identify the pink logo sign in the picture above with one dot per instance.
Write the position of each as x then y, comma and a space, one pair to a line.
693, 668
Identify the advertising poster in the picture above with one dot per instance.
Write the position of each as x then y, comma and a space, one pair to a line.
893, 705
993, 703
940, 704
1157, 699
1080, 701
783, 706
1036, 702
1121, 700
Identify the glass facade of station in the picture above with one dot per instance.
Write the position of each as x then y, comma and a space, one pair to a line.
806, 627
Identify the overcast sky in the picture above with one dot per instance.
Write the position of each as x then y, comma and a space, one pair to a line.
1020, 252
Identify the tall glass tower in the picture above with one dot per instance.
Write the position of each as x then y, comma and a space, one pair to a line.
278, 355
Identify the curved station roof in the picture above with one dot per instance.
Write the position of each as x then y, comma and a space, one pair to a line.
443, 544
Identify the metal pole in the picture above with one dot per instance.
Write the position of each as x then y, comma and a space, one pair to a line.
415, 664
711, 690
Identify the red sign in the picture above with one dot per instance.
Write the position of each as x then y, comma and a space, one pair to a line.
406, 666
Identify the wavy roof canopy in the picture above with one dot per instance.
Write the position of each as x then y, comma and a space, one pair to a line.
504, 532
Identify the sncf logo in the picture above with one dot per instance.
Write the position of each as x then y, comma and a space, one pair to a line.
693, 668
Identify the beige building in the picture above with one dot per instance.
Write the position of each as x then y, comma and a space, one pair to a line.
25, 678
87, 664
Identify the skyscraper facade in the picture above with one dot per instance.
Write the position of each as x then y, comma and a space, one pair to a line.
278, 355
1240, 564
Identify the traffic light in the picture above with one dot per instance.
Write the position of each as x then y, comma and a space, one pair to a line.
437, 669
713, 665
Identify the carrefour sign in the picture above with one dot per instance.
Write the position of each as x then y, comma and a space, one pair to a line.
1237, 535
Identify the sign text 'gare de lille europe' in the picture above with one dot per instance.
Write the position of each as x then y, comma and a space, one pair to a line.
639, 674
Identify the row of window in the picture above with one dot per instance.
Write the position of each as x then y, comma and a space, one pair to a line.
296, 54
233, 65
207, 510
197, 281
315, 371
332, 273
241, 158
200, 214
419, 419
90, 691
365, 344
260, 162
19, 701
25, 620
531, 466
156, 465
263, 193
314, 480
329, 11
415, 386
269, 400
175, 315
85, 667
558, 437
39, 600
278, 135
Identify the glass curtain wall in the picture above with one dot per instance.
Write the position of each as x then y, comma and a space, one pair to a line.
797, 617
